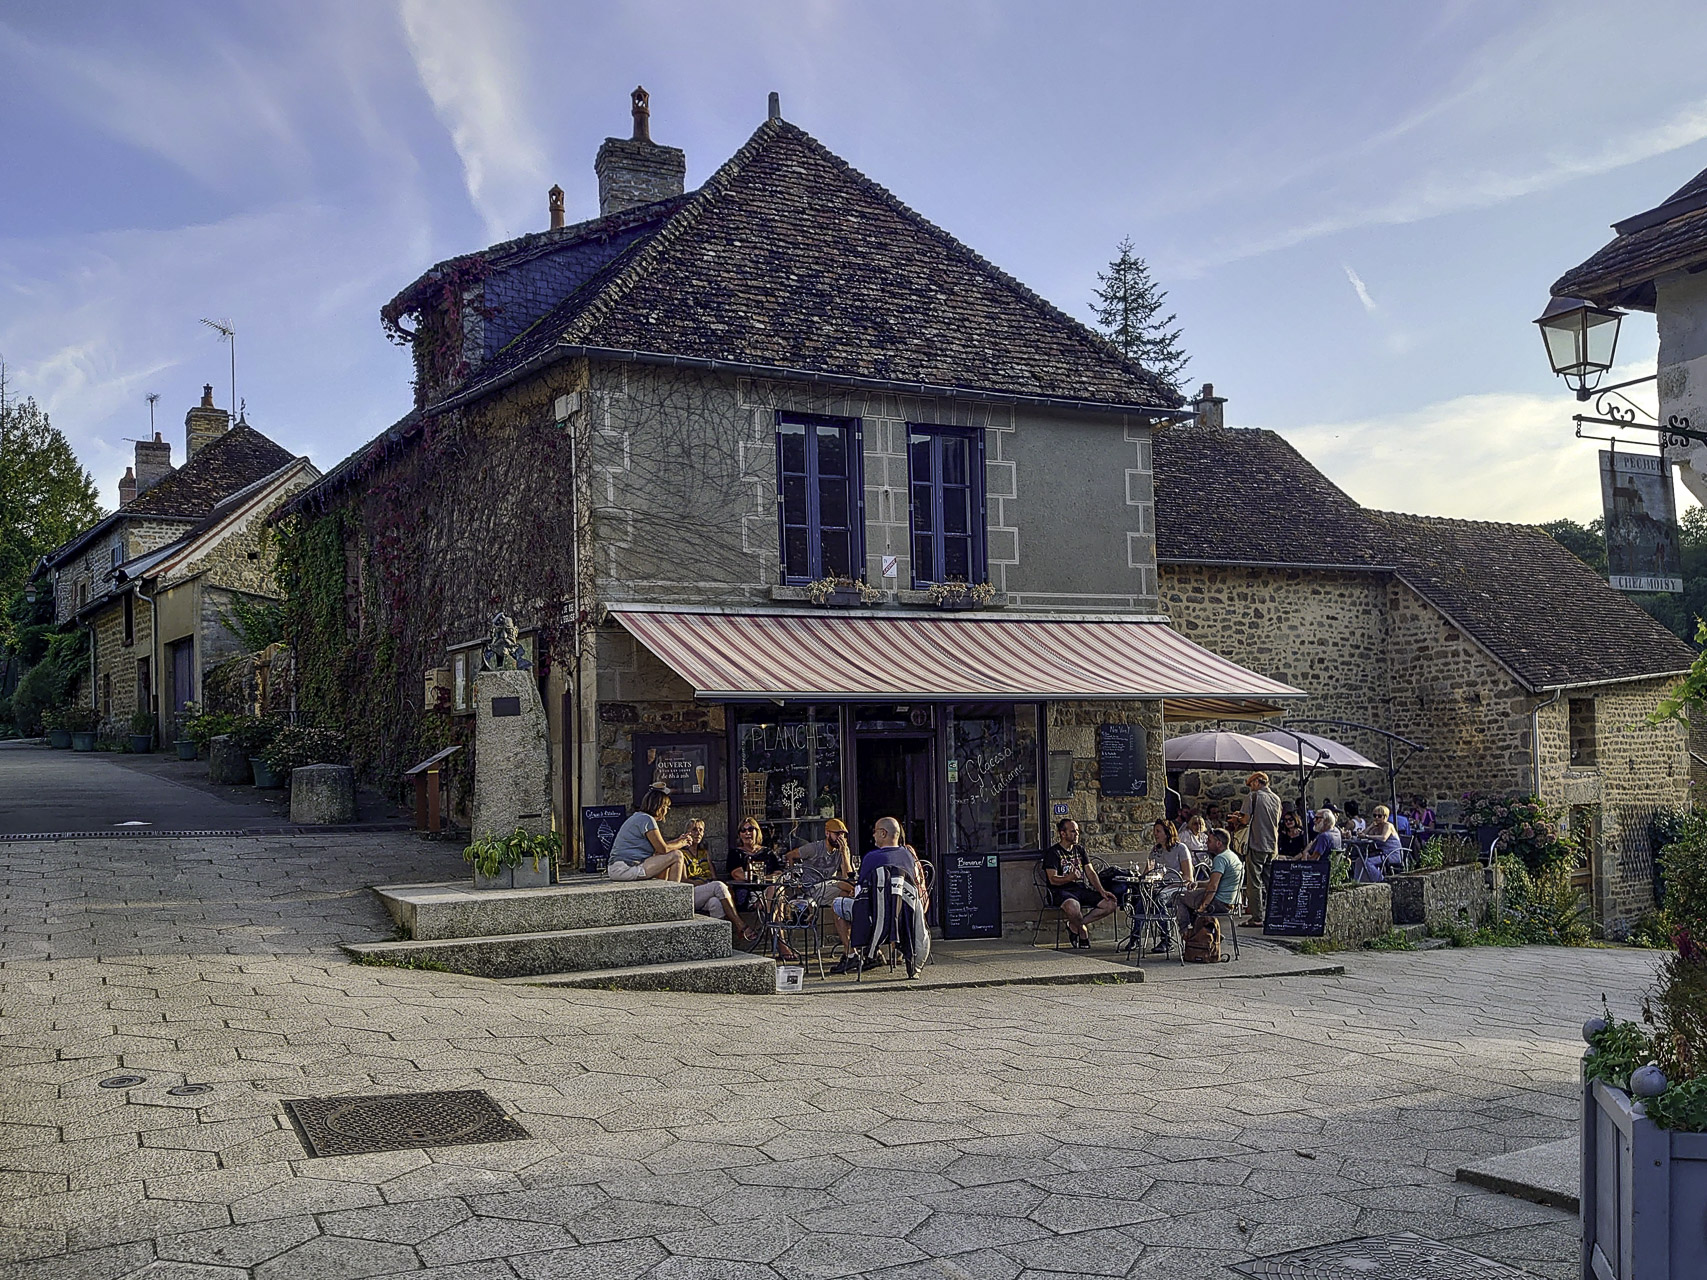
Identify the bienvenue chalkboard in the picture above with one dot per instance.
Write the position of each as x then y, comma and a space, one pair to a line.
599, 825
1121, 765
972, 906
1297, 903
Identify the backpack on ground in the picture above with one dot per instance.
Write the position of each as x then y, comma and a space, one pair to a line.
1203, 941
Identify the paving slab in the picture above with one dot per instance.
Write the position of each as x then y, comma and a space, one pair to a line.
1550, 1173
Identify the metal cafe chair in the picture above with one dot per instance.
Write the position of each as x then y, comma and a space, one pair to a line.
1045, 905
794, 918
1147, 917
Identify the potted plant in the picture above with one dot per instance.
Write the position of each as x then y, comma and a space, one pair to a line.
58, 733
201, 727
959, 594
516, 861
252, 735
142, 733
842, 593
295, 745
82, 722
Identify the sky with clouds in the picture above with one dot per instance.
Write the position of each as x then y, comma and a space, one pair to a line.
1356, 209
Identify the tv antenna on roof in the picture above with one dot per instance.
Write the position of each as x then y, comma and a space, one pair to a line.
227, 331
151, 397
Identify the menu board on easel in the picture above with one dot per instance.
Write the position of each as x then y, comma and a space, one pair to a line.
1122, 767
1297, 902
972, 906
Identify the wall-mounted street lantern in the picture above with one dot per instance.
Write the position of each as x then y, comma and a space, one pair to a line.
30, 592
1581, 341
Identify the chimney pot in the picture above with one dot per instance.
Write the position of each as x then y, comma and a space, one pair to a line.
641, 108
554, 199
204, 424
207, 395
636, 171
1210, 408
775, 106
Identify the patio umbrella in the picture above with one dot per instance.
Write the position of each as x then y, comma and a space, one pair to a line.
1335, 755
1222, 750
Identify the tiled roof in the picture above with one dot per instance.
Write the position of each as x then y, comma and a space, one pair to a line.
1536, 607
1249, 497
232, 461
245, 499
1668, 237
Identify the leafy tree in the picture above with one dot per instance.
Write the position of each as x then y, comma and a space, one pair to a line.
48, 497
1586, 542
1128, 312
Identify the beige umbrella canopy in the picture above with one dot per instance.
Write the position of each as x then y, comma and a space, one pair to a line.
1223, 750
1334, 755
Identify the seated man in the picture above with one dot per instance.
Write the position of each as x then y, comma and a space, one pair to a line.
831, 861
889, 852
1073, 883
1217, 894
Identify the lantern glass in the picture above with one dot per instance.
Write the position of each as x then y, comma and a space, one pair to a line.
1581, 339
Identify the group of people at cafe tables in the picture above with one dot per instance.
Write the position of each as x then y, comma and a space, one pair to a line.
1211, 862
825, 873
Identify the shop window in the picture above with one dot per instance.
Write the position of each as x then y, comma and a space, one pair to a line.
1581, 720
820, 498
946, 473
993, 777
788, 768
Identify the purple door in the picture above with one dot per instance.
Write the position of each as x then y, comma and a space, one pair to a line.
183, 673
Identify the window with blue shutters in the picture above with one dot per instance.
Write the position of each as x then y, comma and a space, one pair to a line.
820, 498
946, 475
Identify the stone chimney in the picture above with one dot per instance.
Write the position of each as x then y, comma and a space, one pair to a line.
153, 464
554, 201
635, 171
1209, 408
203, 425
127, 488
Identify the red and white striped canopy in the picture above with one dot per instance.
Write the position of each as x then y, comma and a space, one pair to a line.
856, 655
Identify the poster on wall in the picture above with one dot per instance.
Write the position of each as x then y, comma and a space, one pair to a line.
689, 764
1640, 507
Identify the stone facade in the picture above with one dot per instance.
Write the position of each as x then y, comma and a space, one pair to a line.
1357, 913
1449, 895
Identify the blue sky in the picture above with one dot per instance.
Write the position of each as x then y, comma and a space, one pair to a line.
1356, 208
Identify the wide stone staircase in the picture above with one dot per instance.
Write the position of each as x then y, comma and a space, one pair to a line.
641, 936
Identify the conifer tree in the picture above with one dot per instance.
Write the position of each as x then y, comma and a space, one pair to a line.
1128, 312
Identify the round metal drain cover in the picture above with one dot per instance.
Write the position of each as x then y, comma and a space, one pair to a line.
189, 1090
122, 1082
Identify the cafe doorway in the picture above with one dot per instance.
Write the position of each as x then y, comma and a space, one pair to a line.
895, 777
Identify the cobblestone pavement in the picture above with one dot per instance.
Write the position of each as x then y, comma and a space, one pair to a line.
1126, 1130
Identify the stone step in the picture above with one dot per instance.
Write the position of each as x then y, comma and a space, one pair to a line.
1414, 933
736, 975
518, 955
427, 912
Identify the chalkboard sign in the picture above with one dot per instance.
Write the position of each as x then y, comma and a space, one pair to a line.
599, 825
1122, 767
972, 905
1297, 905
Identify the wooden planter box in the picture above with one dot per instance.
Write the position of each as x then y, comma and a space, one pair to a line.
1644, 1193
842, 598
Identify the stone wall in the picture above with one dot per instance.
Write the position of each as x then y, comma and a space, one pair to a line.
1450, 895
90, 567
1357, 913
115, 658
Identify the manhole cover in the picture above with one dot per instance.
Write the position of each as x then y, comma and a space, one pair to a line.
189, 1090
1399, 1257
122, 1082
400, 1122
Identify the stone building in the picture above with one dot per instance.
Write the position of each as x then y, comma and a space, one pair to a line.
1512, 663
154, 580
661, 438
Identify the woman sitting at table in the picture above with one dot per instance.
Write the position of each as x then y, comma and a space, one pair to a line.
640, 851
1293, 840
1195, 834
711, 896
1170, 855
1388, 851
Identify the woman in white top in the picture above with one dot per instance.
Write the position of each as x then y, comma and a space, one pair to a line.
1170, 855
640, 851
1196, 835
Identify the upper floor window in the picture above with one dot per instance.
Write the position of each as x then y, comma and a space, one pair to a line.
1580, 724
946, 472
821, 498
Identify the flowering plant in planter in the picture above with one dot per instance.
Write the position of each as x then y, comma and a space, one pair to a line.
956, 591
1529, 829
824, 590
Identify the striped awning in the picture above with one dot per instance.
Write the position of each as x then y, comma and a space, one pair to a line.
853, 655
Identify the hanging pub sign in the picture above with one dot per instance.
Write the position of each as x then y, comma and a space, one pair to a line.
1642, 552
689, 764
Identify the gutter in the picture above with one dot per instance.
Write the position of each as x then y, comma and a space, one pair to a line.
572, 350
1276, 564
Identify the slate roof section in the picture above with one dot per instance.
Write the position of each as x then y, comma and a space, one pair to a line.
1537, 608
1247, 496
1669, 237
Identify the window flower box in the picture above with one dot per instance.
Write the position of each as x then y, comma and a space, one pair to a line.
1644, 1191
842, 593
956, 594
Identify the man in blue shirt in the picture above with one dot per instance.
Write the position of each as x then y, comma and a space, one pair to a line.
890, 852
1218, 893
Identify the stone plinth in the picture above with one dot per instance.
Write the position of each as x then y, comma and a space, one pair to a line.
1358, 913
512, 779
228, 763
1450, 895
323, 794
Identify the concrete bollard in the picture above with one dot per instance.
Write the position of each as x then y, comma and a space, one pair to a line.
228, 763
323, 794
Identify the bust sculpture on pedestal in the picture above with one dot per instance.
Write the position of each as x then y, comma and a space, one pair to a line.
512, 783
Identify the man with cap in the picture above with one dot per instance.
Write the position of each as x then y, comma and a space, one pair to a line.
831, 861
1262, 839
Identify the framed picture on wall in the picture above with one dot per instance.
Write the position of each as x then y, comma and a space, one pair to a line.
689, 764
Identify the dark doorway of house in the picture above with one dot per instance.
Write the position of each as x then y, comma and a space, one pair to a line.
895, 777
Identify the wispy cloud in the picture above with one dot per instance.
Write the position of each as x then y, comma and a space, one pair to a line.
469, 60
1361, 288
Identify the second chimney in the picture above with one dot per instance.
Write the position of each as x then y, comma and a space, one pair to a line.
153, 464
127, 488
203, 425
635, 171
1211, 408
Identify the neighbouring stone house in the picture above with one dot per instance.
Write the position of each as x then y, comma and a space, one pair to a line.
1490, 644
154, 581
655, 436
